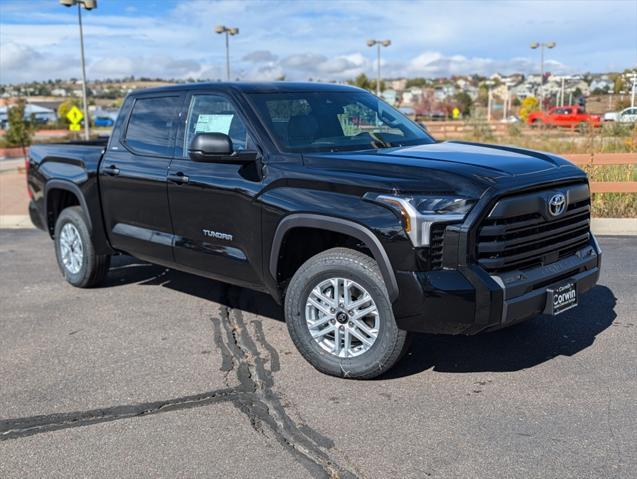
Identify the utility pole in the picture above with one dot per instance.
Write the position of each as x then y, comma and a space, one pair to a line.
229, 31
378, 43
489, 84
89, 5
633, 77
541, 46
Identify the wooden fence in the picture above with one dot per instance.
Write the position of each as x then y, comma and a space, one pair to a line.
600, 159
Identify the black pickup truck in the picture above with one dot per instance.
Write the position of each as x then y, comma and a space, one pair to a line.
323, 196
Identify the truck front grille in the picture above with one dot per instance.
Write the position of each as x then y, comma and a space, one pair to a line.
529, 240
437, 236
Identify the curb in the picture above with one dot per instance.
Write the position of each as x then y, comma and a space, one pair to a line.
13, 165
13, 222
614, 226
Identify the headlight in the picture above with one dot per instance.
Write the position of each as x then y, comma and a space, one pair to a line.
420, 212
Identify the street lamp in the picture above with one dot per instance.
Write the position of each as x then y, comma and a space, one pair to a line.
89, 5
633, 77
542, 46
489, 84
378, 43
228, 31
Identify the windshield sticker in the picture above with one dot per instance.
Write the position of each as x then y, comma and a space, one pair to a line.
213, 123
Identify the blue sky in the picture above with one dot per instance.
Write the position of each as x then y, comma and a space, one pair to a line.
314, 39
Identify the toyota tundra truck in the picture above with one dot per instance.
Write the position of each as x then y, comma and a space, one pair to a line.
346, 212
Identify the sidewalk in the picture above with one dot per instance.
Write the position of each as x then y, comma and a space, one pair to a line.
14, 199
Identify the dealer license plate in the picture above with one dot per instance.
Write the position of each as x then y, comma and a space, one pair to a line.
561, 298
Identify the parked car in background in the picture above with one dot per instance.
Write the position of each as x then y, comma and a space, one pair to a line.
627, 115
104, 121
511, 119
611, 116
564, 116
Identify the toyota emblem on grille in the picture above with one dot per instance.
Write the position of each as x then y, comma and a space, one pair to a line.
557, 204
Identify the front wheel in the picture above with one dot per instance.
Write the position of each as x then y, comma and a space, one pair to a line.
340, 318
75, 252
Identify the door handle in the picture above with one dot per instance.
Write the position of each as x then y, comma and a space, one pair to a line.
178, 178
111, 170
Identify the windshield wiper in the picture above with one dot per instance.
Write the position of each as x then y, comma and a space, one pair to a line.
379, 142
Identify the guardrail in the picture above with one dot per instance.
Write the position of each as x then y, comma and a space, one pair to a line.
605, 159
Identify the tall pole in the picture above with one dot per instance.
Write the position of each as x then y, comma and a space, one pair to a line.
87, 134
378, 72
227, 57
632, 95
542, 77
541, 46
228, 31
505, 114
378, 44
489, 104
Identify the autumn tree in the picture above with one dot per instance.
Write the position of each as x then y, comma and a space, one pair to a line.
529, 104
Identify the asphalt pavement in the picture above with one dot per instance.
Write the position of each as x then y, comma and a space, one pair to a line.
164, 374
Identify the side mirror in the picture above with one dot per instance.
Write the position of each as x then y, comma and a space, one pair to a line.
210, 147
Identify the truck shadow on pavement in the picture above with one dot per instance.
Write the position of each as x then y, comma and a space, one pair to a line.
516, 348
519, 347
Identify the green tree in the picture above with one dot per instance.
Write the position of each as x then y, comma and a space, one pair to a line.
361, 81
529, 104
618, 84
20, 131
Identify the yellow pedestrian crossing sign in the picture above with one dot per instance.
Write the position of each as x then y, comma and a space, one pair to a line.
75, 116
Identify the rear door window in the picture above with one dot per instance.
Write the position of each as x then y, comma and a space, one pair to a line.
151, 127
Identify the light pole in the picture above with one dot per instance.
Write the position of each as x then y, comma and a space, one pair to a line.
489, 84
542, 46
228, 31
633, 77
563, 89
378, 43
89, 5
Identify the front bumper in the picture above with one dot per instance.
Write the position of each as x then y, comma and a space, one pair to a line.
469, 300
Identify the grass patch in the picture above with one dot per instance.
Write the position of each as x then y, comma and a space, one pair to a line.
613, 205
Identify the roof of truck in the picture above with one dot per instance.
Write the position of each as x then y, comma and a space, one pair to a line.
252, 87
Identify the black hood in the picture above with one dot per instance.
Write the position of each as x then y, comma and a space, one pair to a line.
449, 166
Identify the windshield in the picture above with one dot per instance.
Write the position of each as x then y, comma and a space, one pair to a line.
335, 121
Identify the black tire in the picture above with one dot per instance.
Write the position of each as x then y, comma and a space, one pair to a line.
93, 267
390, 343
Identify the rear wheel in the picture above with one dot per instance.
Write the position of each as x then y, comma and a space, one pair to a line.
340, 318
74, 250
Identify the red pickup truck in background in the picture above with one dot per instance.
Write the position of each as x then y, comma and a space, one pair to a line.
564, 116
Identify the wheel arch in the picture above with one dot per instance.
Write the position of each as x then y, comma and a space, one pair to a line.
52, 210
336, 225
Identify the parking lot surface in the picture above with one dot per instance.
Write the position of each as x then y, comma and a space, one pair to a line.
164, 374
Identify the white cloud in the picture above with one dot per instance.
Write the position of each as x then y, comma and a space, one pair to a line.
321, 40
260, 56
